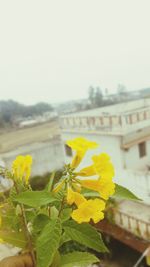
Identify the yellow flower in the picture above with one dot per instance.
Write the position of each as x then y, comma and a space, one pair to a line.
104, 186
101, 166
89, 209
80, 145
74, 197
21, 167
1, 240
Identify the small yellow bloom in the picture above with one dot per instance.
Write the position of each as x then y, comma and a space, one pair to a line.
104, 186
74, 197
21, 167
80, 145
89, 209
1, 241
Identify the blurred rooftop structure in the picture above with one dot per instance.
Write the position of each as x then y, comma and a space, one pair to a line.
118, 119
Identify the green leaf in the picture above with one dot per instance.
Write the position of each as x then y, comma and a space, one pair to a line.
16, 239
85, 234
124, 193
40, 222
48, 243
56, 260
50, 183
35, 198
65, 214
78, 259
54, 212
64, 239
89, 193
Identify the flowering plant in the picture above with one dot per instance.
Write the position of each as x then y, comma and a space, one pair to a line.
40, 222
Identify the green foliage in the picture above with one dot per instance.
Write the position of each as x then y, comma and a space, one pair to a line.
90, 193
14, 238
35, 198
124, 193
44, 181
71, 246
56, 260
78, 259
65, 214
50, 183
48, 243
39, 223
10, 110
85, 234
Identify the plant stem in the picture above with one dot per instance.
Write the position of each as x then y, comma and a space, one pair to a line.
61, 207
27, 233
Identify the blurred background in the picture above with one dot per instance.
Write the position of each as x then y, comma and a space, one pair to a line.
81, 68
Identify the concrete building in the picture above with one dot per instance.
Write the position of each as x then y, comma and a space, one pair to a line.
122, 130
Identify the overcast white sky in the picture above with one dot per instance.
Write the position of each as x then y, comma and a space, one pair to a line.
53, 50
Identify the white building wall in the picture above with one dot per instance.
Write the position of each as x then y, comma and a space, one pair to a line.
136, 181
132, 159
47, 156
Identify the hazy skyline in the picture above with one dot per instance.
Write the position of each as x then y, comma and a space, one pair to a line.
54, 50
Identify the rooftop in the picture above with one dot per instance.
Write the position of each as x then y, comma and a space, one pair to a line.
119, 119
118, 109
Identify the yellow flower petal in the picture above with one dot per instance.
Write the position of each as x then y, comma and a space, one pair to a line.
80, 145
77, 159
88, 171
107, 188
89, 209
21, 167
103, 166
104, 186
91, 184
74, 197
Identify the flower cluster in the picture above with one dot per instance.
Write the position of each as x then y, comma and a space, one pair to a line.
103, 172
74, 182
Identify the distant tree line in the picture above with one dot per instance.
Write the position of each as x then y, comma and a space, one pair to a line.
95, 96
10, 110
97, 99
